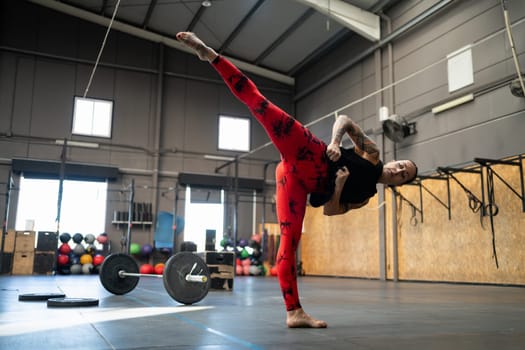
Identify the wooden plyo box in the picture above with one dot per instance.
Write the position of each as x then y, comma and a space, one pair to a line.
44, 263
46, 241
23, 263
9, 243
25, 241
221, 266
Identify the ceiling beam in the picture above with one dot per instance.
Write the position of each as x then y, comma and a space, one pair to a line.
358, 20
196, 18
151, 7
157, 38
291, 29
241, 25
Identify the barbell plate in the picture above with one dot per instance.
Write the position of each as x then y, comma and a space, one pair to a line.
174, 277
39, 296
71, 302
109, 273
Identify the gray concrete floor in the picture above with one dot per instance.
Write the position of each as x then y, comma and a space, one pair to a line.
361, 314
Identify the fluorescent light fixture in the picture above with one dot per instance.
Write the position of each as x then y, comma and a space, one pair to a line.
206, 3
78, 144
453, 103
212, 157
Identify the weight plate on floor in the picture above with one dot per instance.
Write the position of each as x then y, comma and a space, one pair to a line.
109, 273
174, 277
71, 302
39, 296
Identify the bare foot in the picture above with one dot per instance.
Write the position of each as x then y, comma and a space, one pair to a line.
300, 319
191, 40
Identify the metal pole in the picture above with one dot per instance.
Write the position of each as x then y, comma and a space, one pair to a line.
394, 238
176, 247
236, 205
61, 183
130, 216
6, 217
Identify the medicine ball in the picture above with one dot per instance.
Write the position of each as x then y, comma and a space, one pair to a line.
98, 259
89, 238
147, 269
77, 238
102, 238
86, 259
146, 249
65, 237
62, 259
74, 259
134, 248
255, 270
91, 249
64, 248
244, 254
87, 269
159, 268
76, 269
79, 249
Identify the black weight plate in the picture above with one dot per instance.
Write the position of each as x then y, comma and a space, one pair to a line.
174, 277
39, 296
110, 278
71, 302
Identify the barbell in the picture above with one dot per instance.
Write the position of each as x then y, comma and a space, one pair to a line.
186, 276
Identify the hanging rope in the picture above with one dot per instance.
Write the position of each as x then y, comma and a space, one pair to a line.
101, 50
492, 210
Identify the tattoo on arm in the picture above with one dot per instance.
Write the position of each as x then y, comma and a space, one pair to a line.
361, 140
338, 131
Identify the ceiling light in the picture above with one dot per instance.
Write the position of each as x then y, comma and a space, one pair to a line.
77, 143
212, 157
206, 3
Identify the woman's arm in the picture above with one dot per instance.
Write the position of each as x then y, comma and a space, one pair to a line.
362, 142
333, 206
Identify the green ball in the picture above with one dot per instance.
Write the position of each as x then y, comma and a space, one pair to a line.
134, 248
244, 254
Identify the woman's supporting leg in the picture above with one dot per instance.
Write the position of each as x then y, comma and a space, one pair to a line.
291, 206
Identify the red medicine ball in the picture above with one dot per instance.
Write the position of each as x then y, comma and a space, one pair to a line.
62, 259
98, 259
147, 269
64, 248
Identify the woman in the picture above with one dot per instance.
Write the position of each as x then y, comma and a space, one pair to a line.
339, 179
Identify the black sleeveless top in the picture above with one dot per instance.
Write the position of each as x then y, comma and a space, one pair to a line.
360, 184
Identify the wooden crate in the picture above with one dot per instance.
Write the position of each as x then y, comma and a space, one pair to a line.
9, 244
25, 241
44, 263
23, 263
221, 266
7, 263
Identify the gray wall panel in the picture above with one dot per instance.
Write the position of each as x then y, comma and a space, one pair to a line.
7, 82
22, 106
51, 105
133, 108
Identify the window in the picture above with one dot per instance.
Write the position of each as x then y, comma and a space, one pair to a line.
202, 215
83, 206
234, 133
92, 117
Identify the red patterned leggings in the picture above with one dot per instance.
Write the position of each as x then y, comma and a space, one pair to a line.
303, 169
